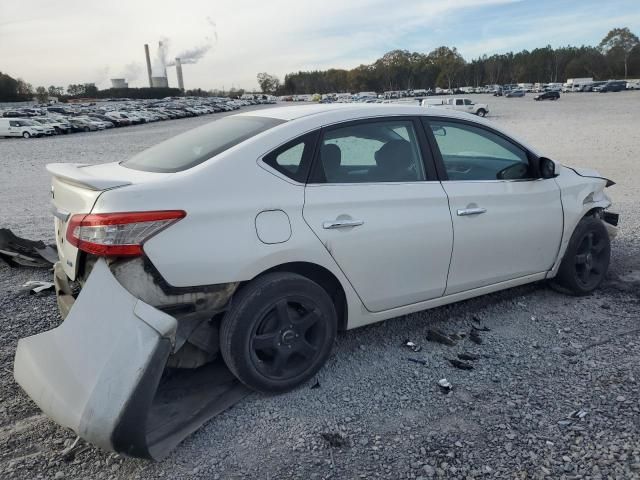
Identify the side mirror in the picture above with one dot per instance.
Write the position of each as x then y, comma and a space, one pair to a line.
547, 168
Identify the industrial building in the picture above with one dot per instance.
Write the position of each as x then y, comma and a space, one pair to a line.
119, 83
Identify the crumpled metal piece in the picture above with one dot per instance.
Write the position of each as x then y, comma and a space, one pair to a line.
38, 286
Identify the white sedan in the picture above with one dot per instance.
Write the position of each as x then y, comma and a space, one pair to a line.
249, 242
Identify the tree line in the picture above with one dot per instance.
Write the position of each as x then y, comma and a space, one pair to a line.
617, 56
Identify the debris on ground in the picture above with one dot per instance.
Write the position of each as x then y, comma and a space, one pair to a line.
474, 336
20, 252
334, 439
468, 357
414, 347
477, 325
418, 360
460, 364
435, 335
36, 287
315, 385
445, 386
579, 414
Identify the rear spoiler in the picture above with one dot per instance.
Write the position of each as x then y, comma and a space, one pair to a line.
76, 173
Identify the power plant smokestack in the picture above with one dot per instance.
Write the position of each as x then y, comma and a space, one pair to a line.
179, 74
163, 58
146, 54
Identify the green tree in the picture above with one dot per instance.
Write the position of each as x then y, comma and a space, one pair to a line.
42, 95
450, 63
268, 83
54, 91
622, 41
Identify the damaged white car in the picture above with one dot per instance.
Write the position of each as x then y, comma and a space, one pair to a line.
230, 256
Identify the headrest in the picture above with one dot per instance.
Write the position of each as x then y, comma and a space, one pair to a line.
331, 156
394, 155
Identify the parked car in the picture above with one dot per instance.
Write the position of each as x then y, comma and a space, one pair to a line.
593, 87
60, 125
47, 129
516, 92
550, 95
19, 127
81, 124
230, 265
611, 86
460, 104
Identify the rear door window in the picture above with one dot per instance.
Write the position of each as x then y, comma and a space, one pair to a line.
370, 152
198, 145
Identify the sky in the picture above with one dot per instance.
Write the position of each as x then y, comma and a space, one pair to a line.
79, 41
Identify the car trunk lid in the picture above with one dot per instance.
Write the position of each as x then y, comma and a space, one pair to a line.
74, 190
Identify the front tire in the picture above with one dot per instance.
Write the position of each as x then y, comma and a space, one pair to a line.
586, 259
279, 332
26, 135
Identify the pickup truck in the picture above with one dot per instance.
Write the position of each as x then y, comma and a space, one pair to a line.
461, 104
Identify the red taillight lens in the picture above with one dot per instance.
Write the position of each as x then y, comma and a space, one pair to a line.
118, 234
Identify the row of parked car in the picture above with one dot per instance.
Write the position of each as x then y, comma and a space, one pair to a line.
62, 119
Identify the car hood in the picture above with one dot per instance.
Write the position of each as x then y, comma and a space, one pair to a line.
590, 173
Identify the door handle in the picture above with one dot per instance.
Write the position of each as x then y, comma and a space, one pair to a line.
463, 212
341, 224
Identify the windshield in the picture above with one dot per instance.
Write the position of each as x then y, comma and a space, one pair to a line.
195, 146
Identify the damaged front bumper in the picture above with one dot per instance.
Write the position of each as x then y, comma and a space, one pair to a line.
102, 373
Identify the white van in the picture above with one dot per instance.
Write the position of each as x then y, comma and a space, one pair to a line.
19, 127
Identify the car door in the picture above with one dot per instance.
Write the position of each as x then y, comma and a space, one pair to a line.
469, 106
507, 221
374, 202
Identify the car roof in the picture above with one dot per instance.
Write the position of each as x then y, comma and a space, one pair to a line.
325, 114
350, 110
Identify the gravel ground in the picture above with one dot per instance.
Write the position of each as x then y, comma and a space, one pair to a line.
376, 414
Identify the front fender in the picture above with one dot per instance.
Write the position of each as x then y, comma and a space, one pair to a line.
579, 196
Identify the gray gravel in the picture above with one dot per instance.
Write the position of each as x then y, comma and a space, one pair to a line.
547, 355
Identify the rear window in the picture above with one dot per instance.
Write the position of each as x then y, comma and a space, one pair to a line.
195, 146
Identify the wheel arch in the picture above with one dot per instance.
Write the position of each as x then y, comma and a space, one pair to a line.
323, 277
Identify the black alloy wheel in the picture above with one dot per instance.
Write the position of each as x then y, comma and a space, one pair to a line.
586, 260
278, 332
287, 338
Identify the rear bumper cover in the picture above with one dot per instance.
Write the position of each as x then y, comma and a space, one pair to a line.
100, 373
87, 373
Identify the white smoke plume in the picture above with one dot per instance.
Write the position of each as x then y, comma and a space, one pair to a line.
131, 71
193, 55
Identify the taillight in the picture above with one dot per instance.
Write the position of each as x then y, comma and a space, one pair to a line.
118, 234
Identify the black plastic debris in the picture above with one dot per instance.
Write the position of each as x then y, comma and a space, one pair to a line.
418, 360
460, 364
435, 335
20, 252
37, 287
315, 385
414, 347
470, 357
445, 386
477, 325
334, 439
474, 336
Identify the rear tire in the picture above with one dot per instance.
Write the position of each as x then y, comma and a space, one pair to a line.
482, 112
279, 332
586, 259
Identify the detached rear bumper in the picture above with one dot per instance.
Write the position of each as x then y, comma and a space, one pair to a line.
100, 372
97, 370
